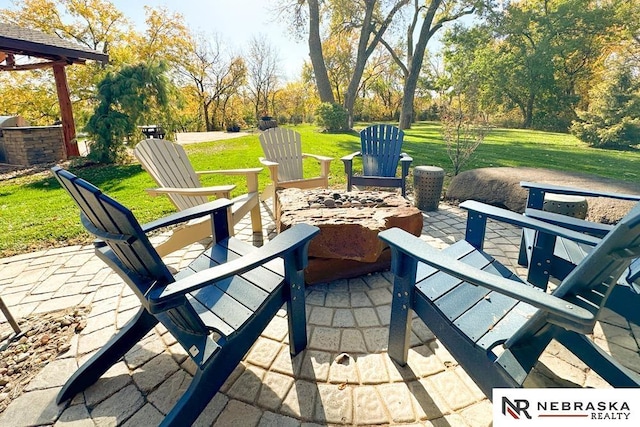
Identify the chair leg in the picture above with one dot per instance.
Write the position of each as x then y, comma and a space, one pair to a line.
196, 398
625, 302
296, 314
599, 360
108, 355
400, 330
256, 219
205, 384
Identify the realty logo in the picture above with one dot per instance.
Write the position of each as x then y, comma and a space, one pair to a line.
570, 407
516, 409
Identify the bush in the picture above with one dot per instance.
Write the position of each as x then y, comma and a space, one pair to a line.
463, 133
612, 119
598, 133
124, 97
332, 117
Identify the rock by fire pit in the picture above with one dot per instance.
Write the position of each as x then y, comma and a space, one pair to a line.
349, 223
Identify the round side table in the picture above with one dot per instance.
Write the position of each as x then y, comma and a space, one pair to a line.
427, 187
575, 206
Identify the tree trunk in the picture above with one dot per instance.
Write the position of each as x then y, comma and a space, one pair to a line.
528, 116
411, 83
361, 60
316, 56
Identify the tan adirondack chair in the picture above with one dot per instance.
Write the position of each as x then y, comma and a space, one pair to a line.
168, 164
283, 156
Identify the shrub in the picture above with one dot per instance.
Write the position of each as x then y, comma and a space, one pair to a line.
462, 133
124, 98
613, 117
333, 117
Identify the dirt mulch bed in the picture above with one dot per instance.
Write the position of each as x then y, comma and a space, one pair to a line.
43, 337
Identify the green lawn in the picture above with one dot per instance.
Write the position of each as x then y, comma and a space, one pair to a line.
36, 213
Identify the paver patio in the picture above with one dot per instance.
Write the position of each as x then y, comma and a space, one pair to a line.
343, 377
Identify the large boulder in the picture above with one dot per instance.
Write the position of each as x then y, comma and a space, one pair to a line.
501, 187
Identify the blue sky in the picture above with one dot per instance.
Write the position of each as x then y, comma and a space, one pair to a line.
236, 21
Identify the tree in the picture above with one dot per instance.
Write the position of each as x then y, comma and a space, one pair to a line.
462, 130
372, 24
165, 38
215, 77
316, 54
262, 73
364, 20
124, 97
434, 15
613, 118
95, 24
539, 57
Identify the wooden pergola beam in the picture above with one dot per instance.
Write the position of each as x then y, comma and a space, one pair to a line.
59, 53
66, 111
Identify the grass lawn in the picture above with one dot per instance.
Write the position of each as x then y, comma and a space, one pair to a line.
36, 213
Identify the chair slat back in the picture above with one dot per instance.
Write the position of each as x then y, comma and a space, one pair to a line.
168, 164
591, 282
381, 146
608, 260
283, 146
131, 254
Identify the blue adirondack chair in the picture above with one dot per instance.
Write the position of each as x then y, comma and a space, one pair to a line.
380, 150
557, 257
547, 256
475, 305
215, 308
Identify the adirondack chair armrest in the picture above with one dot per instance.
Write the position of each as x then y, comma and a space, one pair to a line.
187, 215
325, 162
572, 191
272, 166
317, 157
405, 158
251, 175
405, 162
350, 157
294, 241
268, 163
484, 211
405, 244
577, 224
222, 191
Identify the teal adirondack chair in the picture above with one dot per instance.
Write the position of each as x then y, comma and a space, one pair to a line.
493, 323
380, 150
215, 308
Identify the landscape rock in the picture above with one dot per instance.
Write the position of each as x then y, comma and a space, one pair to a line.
349, 225
501, 187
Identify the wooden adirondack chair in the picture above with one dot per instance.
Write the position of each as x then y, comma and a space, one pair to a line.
283, 156
380, 150
168, 164
494, 324
215, 308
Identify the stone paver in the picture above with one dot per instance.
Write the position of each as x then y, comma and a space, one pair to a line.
344, 377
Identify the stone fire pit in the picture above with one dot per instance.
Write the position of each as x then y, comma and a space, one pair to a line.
349, 223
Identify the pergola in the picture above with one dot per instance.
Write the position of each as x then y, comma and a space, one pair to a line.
25, 49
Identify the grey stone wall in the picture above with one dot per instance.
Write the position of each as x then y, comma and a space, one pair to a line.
32, 145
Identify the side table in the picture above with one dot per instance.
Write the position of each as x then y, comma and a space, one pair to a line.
575, 206
427, 187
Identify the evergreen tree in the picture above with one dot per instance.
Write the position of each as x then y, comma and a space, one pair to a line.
613, 117
124, 97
